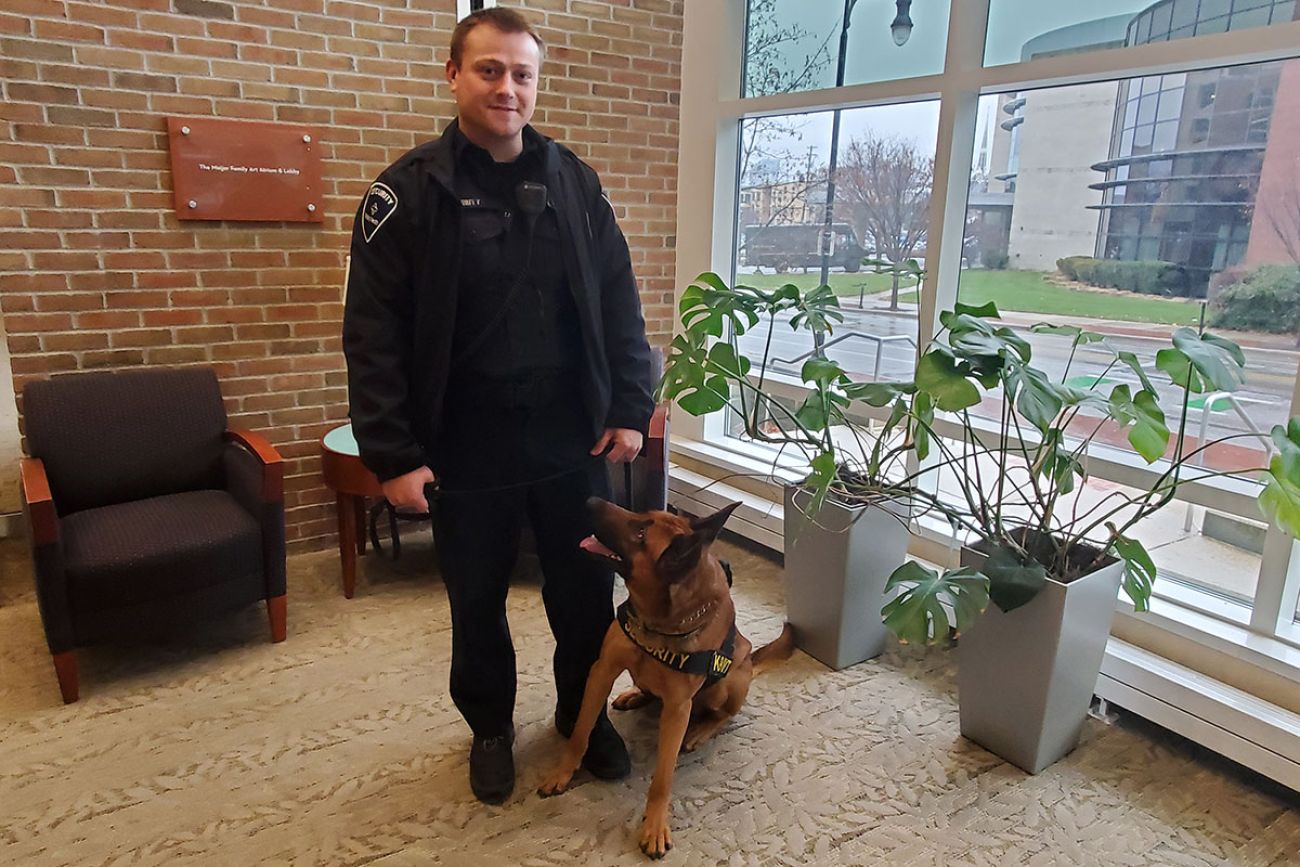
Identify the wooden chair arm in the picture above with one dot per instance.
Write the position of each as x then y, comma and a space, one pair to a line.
39, 502
659, 421
272, 463
655, 449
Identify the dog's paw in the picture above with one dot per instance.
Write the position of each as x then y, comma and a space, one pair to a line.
656, 839
632, 699
556, 782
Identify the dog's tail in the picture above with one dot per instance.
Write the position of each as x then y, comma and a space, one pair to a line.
778, 651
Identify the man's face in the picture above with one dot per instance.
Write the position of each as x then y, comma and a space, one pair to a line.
495, 85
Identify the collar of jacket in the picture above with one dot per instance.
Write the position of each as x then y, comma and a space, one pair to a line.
442, 160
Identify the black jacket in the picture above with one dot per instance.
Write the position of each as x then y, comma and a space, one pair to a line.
400, 312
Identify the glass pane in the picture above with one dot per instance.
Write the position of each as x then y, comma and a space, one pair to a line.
1193, 546
794, 45
1155, 239
1023, 29
884, 166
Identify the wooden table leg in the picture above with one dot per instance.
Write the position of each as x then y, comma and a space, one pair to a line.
361, 524
347, 511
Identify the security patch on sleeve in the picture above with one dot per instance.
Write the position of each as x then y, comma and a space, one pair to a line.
381, 201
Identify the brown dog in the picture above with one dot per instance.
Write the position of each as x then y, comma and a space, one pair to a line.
677, 637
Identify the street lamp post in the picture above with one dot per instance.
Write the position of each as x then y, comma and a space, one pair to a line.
900, 29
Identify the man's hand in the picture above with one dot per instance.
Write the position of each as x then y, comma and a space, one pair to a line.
406, 493
626, 444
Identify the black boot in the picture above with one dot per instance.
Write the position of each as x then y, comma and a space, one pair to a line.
492, 767
606, 755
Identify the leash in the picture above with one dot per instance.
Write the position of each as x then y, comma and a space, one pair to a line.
437, 492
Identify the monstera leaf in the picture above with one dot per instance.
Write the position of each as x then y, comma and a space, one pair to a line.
1149, 436
878, 393
1077, 335
1280, 499
938, 375
815, 311
689, 377
1012, 582
1202, 362
708, 304
1139, 570
987, 310
819, 480
817, 414
1038, 400
1131, 360
919, 616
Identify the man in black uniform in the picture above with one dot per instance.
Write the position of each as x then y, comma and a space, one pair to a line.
495, 345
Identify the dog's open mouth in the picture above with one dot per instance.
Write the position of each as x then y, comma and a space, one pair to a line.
597, 548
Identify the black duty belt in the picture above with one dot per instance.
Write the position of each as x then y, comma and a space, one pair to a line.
712, 664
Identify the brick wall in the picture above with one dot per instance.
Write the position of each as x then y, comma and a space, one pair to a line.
96, 272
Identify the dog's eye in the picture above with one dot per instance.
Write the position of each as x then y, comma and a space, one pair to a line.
639, 536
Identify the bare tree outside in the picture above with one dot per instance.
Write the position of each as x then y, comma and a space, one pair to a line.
885, 183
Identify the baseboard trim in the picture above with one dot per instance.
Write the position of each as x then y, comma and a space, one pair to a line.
1250, 731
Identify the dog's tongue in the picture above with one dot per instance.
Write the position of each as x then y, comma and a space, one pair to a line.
592, 545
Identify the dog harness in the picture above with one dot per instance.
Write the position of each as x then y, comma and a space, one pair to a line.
712, 664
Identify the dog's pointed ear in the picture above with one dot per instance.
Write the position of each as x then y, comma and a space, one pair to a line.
681, 556
683, 553
711, 526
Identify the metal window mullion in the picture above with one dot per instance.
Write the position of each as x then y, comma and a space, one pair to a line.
953, 155
1277, 592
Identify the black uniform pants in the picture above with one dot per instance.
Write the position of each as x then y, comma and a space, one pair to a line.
477, 536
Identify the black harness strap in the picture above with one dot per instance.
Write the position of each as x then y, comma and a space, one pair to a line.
712, 664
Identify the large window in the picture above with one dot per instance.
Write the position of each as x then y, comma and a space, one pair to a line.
1128, 191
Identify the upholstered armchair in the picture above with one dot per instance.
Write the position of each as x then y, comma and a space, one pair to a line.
144, 510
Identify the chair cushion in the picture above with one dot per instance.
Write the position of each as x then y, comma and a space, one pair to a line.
114, 437
130, 553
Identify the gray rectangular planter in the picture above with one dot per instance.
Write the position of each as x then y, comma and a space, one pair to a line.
836, 567
1025, 679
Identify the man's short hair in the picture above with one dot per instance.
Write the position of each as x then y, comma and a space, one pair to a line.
505, 20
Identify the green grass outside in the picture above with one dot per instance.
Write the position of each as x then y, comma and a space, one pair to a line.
1029, 292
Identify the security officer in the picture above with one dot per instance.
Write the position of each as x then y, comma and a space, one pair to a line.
495, 344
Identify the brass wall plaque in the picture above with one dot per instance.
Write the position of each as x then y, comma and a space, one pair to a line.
245, 170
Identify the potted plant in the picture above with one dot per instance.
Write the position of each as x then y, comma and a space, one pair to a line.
1028, 664
845, 525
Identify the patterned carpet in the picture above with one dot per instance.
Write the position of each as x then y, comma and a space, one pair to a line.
340, 747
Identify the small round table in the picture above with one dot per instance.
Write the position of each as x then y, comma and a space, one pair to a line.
340, 461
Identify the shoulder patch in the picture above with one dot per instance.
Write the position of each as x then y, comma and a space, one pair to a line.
380, 203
